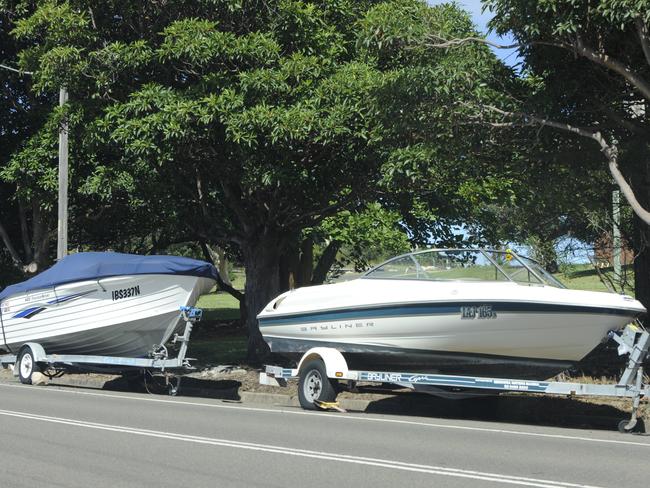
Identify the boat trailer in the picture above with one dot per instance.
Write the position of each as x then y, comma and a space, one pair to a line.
32, 358
320, 367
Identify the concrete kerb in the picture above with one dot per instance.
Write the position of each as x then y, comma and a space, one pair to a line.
232, 395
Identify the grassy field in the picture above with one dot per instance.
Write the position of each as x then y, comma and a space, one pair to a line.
217, 341
585, 277
221, 349
221, 306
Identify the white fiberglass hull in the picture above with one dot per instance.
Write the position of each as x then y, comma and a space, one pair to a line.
116, 316
497, 329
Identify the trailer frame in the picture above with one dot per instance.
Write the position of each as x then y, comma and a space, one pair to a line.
158, 359
633, 341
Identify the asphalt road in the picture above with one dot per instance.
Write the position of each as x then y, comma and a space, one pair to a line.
61, 437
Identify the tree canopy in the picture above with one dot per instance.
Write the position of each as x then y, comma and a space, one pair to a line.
247, 124
589, 64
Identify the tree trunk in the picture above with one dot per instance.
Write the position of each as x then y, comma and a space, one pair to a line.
306, 264
289, 266
641, 229
325, 262
544, 252
209, 255
261, 259
284, 272
222, 265
36, 256
642, 262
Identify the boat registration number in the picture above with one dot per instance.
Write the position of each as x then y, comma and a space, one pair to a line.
477, 312
126, 292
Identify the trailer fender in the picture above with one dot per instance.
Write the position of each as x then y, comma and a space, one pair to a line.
37, 350
335, 364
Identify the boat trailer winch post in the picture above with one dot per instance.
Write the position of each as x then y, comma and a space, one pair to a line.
633, 341
190, 316
158, 360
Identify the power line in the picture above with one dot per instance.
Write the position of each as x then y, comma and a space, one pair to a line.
16, 70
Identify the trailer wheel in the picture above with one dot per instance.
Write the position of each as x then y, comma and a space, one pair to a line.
173, 385
26, 365
315, 385
638, 427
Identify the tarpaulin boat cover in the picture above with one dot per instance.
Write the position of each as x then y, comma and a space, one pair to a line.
94, 265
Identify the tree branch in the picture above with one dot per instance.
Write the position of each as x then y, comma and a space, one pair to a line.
615, 65
10, 247
233, 200
24, 231
92, 17
612, 155
609, 150
220, 282
441, 42
623, 122
577, 47
642, 30
325, 262
319, 214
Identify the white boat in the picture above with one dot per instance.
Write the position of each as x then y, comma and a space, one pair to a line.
105, 304
449, 311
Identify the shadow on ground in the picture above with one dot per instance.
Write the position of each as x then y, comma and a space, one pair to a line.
510, 408
514, 409
190, 387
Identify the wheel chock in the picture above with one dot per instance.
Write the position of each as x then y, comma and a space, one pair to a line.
329, 406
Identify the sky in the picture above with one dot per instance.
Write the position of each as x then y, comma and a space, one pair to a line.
480, 18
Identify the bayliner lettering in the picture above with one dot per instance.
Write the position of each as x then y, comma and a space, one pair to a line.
126, 292
385, 377
477, 312
347, 325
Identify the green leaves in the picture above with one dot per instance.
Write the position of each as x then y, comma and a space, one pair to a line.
60, 66
197, 44
272, 121
370, 235
55, 24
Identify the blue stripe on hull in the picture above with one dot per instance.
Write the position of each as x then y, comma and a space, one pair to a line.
445, 308
30, 312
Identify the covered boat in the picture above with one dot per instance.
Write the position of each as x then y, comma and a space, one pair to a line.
450, 311
102, 303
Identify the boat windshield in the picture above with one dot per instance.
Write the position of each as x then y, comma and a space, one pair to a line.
464, 265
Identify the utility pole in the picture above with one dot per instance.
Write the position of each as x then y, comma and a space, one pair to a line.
62, 239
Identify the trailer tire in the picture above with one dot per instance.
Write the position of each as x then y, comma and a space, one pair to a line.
638, 428
314, 385
27, 365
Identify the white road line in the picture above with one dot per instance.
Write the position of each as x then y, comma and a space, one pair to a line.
348, 417
320, 455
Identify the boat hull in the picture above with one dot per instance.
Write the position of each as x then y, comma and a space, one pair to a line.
511, 339
378, 358
449, 311
123, 316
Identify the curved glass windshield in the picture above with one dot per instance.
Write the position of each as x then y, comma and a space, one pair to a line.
464, 265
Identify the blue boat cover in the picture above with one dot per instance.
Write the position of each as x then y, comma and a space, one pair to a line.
94, 265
